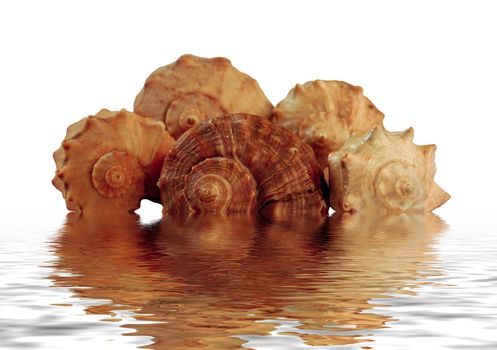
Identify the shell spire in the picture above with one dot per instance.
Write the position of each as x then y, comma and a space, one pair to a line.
325, 113
384, 171
110, 161
240, 163
193, 89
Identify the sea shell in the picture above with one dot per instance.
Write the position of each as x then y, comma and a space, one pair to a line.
111, 161
193, 89
384, 171
325, 113
240, 163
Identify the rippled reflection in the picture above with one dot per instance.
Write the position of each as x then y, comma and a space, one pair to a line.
220, 282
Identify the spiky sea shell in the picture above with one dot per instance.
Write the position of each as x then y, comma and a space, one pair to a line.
325, 113
111, 161
240, 163
384, 171
193, 89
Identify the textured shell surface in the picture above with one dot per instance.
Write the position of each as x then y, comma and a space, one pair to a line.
325, 113
193, 89
110, 161
385, 172
240, 163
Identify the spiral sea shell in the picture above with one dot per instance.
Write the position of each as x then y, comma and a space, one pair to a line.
111, 161
240, 163
325, 113
193, 89
384, 171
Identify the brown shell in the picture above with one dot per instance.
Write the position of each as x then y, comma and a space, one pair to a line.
193, 89
111, 161
385, 172
325, 113
239, 163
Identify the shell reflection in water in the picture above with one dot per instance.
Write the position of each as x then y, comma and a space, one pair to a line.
216, 282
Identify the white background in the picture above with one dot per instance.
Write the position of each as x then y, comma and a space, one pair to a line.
427, 64
430, 65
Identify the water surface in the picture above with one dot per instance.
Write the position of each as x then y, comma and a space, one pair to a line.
343, 282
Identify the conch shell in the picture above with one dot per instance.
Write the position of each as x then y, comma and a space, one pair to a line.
111, 161
384, 171
240, 163
193, 89
325, 113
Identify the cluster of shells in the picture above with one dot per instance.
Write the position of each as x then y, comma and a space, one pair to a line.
203, 137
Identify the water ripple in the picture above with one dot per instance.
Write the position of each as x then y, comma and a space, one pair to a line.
346, 282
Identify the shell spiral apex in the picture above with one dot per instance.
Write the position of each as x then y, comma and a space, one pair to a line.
240, 163
325, 113
386, 172
111, 160
193, 89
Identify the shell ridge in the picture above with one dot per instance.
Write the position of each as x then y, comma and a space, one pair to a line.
255, 153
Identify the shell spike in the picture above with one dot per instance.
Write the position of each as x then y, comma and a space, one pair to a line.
428, 155
58, 182
377, 137
428, 150
437, 197
408, 135
298, 89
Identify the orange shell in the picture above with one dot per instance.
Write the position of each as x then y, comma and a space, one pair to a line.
239, 163
193, 89
325, 113
384, 172
110, 161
